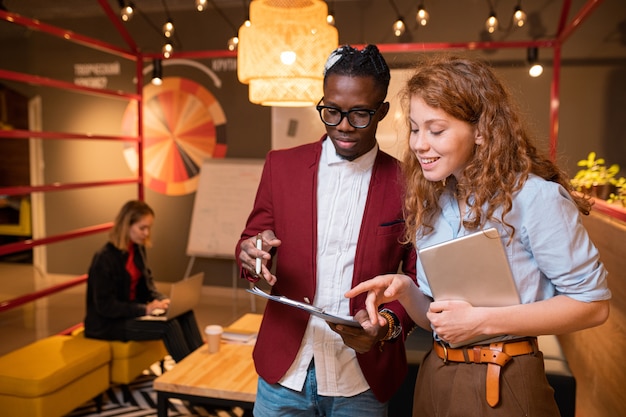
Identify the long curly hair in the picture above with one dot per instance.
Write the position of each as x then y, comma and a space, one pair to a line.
469, 90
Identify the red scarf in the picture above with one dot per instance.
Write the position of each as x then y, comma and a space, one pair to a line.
132, 269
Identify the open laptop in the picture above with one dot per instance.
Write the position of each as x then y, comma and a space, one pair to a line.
473, 268
184, 296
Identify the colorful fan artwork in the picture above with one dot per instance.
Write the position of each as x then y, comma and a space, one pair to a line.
183, 125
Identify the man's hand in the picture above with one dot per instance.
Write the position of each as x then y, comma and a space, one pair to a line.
361, 340
249, 254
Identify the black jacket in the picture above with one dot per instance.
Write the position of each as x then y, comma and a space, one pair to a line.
108, 293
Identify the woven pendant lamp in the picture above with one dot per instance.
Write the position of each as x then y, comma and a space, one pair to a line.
281, 54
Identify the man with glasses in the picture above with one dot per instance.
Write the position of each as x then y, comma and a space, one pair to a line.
330, 217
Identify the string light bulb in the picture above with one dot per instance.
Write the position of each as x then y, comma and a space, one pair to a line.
399, 27
535, 70
168, 29
422, 16
330, 19
201, 5
167, 50
127, 12
232, 43
492, 23
519, 16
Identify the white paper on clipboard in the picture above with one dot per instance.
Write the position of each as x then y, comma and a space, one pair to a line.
315, 311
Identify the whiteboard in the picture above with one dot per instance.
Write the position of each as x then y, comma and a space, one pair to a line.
223, 202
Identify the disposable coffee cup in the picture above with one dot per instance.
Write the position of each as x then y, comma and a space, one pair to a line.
213, 337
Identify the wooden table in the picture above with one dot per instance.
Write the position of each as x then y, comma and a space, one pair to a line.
226, 378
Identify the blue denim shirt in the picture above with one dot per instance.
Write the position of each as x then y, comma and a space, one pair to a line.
551, 252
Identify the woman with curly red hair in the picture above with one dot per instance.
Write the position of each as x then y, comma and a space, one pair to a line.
471, 165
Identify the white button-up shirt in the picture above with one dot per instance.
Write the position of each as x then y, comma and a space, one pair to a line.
341, 195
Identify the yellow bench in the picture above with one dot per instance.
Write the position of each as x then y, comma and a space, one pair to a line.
53, 376
130, 359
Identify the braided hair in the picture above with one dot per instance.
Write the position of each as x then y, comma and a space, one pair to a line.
367, 62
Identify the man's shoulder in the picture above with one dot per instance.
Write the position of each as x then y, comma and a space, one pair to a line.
387, 164
303, 148
387, 158
297, 153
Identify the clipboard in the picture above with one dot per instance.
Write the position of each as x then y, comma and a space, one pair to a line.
311, 309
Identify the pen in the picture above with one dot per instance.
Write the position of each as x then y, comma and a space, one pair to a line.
259, 246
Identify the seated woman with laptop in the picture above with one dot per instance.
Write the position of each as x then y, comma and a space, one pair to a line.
120, 289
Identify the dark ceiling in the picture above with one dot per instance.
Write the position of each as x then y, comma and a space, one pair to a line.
369, 21
54, 9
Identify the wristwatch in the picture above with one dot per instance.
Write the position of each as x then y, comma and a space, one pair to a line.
395, 327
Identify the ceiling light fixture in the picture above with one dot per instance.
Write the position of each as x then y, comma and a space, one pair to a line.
233, 42
422, 17
491, 24
157, 72
127, 10
532, 56
168, 29
167, 50
276, 57
168, 26
201, 5
330, 17
519, 16
399, 27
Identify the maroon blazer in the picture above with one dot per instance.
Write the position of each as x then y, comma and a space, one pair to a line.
286, 203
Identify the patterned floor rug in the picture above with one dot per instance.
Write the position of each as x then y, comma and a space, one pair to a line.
143, 404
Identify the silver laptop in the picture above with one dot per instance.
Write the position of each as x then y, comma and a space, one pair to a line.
184, 296
473, 268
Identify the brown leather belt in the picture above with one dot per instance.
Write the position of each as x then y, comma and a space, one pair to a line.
495, 355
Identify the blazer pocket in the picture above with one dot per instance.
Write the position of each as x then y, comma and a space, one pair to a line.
394, 227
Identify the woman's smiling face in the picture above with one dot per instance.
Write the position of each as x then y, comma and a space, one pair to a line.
443, 144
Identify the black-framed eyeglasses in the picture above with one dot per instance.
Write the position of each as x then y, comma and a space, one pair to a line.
358, 118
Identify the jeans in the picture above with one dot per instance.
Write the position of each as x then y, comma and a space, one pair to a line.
274, 400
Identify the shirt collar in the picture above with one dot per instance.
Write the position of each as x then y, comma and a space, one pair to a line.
363, 162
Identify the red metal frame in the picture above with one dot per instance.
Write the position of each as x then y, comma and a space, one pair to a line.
29, 244
563, 32
67, 34
23, 189
49, 82
27, 298
131, 54
27, 134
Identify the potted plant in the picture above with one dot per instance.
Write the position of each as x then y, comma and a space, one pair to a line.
619, 196
595, 178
